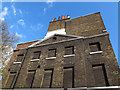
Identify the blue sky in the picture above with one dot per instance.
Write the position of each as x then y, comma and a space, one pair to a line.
30, 20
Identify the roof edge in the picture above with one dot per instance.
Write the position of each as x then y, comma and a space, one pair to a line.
85, 15
67, 40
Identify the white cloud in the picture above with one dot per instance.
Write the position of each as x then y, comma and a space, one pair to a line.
11, 26
32, 27
14, 9
20, 11
18, 35
2, 19
39, 26
3, 13
21, 22
12, 0
36, 27
44, 10
50, 2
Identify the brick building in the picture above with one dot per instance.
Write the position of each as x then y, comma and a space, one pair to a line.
82, 56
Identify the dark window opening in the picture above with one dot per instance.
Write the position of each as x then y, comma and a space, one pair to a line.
52, 53
100, 75
48, 77
8, 69
30, 78
69, 50
54, 38
38, 66
20, 58
68, 79
11, 80
95, 47
36, 55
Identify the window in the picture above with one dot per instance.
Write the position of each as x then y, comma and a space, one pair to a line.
68, 79
36, 55
54, 39
30, 78
47, 83
69, 50
11, 80
95, 47
52, 53
20, 58
100, 75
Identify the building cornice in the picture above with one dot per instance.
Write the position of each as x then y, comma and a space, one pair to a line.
78, 37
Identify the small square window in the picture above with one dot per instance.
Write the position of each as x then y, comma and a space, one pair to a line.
95, 47
52, 53
69, 50
20, 58
36, 55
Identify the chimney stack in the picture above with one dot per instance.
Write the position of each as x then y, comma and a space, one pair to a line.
54, 19
65, 17
62, 17
59, 18
68, 16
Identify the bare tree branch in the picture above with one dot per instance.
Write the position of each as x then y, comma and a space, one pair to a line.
7, 45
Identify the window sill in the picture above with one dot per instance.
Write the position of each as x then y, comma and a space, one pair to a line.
34, 60
71, 55
96, 52
16, 62
51, 58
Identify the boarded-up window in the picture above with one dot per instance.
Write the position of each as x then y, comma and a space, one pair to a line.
47, 83
36, 55
68, 80
95, 47
69, 50
11, 80
30, 78
100, 75
20, 58
52, 53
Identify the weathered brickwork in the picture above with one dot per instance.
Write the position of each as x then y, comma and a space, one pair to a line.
66, 61
81, 26
85, 25
57, 25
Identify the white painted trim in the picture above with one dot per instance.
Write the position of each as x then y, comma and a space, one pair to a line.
106, 87
34, 60
96, 52
64, 40
104, 30
16, 62
71, 55
58, 31
51, 58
